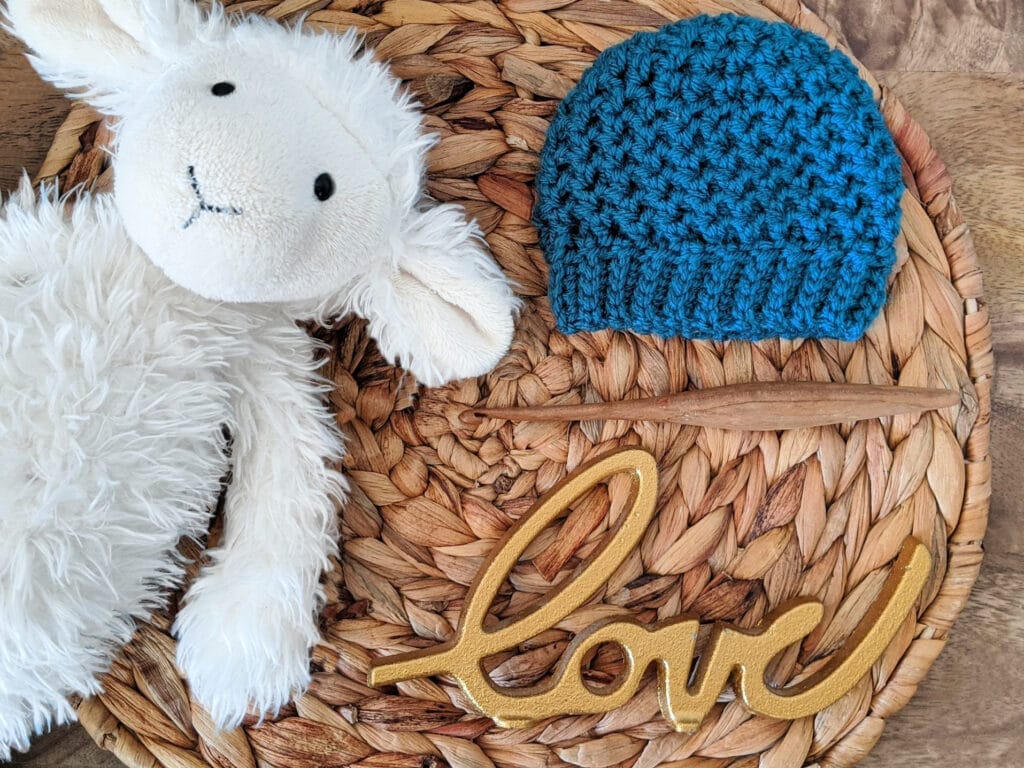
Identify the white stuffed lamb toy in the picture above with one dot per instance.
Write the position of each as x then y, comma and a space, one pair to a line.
263, 176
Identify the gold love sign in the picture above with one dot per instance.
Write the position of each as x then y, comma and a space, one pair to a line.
730, 653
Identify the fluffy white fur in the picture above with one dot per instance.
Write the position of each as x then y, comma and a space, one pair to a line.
122, 360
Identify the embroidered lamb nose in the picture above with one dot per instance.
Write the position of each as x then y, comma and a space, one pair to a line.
201, 204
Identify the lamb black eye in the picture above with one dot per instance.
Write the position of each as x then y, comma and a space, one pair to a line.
323, 187
222, 89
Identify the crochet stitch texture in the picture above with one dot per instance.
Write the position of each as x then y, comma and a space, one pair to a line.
723, 177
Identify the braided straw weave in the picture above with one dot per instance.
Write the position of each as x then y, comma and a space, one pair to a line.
746, 519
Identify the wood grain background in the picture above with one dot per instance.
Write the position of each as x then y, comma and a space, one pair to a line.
958, 65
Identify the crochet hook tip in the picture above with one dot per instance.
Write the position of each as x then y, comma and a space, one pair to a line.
472, 416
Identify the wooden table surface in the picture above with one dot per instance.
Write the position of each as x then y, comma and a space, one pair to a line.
958, 65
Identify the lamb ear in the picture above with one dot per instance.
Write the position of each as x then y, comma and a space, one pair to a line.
441, 307
101, 45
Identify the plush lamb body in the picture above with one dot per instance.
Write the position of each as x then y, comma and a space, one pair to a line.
263, 176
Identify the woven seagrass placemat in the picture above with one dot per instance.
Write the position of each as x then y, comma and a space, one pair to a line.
746, 519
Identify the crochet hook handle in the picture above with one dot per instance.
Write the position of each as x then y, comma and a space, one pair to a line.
762, 406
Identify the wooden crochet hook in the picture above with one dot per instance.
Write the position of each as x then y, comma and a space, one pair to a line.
762, 406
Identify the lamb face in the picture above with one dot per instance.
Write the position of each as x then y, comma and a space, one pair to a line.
258, 163
242, 182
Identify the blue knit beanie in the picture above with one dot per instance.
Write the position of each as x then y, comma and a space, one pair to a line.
723, 177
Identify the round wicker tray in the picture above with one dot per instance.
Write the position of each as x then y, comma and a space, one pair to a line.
817, 512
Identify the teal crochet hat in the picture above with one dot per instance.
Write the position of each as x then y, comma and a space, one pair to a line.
723, 178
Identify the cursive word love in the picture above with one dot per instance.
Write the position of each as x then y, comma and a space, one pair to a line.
734, 653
